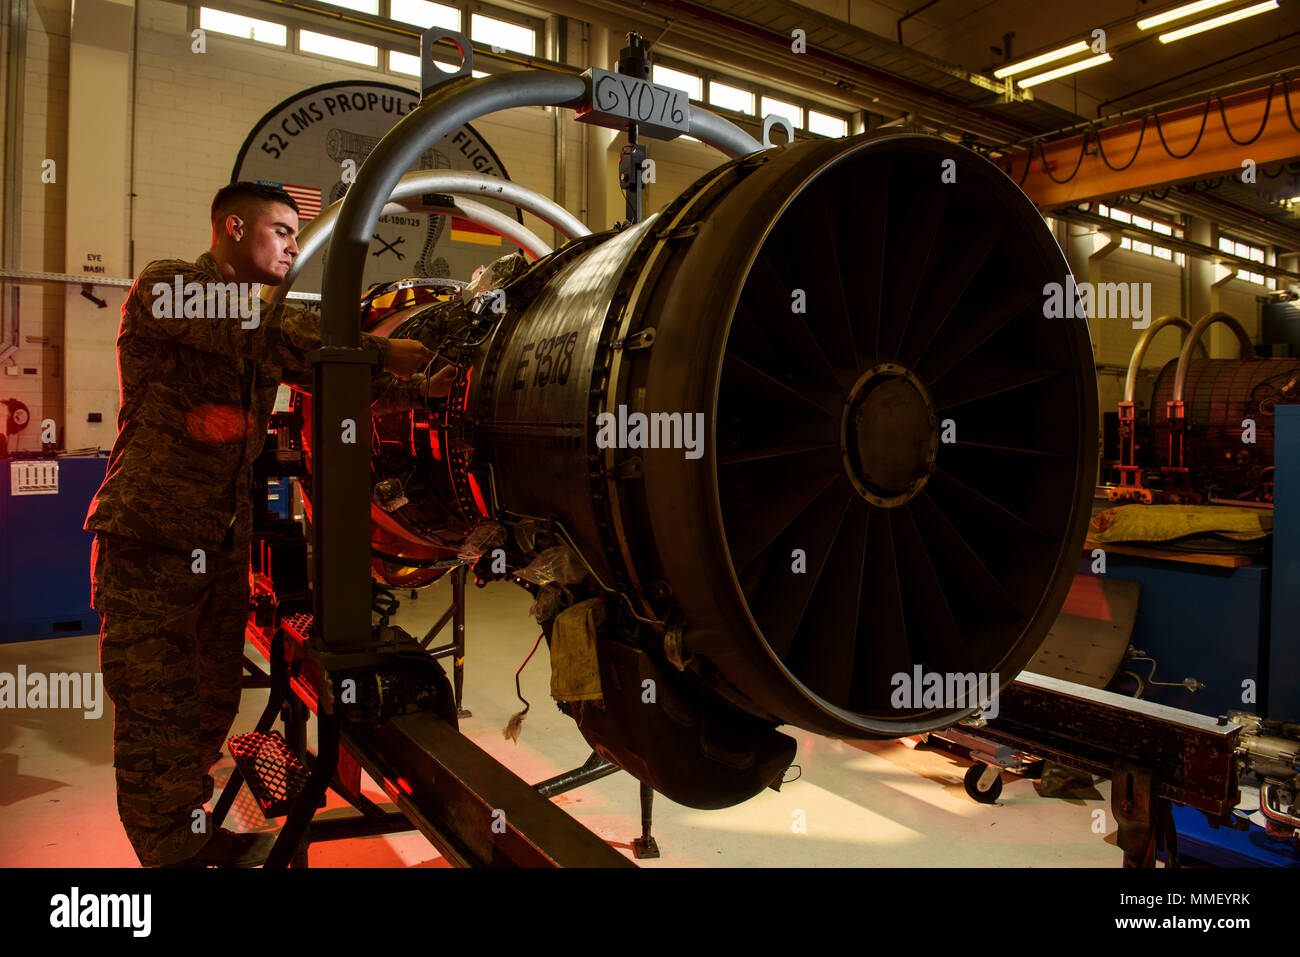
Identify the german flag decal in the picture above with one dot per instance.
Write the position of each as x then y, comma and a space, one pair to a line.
463, 231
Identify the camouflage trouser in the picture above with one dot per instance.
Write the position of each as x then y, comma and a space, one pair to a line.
171, 650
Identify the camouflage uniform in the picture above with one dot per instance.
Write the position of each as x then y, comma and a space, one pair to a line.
173, 521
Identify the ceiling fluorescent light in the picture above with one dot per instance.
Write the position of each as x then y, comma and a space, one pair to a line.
1227, 18
1177, 13
1065, 70
1012, 69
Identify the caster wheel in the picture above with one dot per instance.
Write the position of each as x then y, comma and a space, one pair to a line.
972, 783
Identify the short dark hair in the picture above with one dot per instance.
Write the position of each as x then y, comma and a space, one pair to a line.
239, 193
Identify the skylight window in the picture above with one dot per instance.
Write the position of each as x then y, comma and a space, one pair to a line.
501, 33
790, 111
338, 48
365, 6
730, 97
233, 25
422, 13
827, 125
679, 80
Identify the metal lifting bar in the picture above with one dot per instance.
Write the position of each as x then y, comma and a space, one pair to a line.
341, 593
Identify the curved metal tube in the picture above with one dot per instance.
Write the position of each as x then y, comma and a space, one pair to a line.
389, 323
1140, 350
503, 225
511, 229
1194, 337
442, 110
478, 185
721, 134
452, 182
448, 106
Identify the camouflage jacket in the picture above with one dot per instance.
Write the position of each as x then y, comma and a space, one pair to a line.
197, 393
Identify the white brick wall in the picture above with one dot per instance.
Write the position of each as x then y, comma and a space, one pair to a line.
1119, 337
45, 127
1237, 299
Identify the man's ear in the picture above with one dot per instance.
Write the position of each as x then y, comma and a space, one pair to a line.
234, 226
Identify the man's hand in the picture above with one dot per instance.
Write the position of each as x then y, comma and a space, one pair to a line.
405, 357
416, 394
438, 385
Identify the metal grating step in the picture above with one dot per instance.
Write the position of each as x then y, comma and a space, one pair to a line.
272, 772
298, 625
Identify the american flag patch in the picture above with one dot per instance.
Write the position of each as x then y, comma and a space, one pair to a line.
307, 198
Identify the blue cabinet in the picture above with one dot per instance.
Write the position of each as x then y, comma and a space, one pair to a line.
44, 553
1284, 638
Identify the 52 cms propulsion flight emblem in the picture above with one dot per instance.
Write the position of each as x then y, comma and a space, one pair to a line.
313, 143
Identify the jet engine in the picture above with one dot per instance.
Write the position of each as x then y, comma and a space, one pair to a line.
802, 432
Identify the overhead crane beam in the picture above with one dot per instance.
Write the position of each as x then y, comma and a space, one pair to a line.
1145, 163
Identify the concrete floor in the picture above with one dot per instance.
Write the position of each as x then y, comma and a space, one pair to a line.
862, 804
